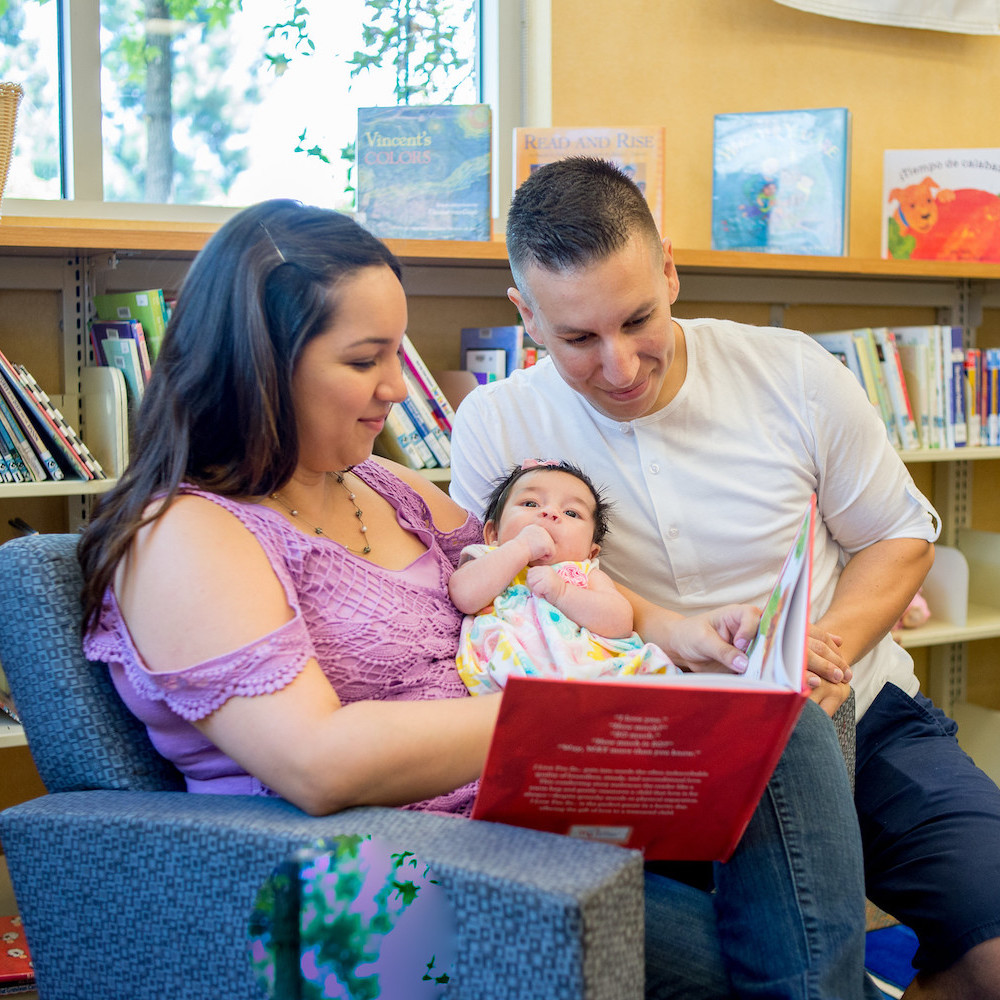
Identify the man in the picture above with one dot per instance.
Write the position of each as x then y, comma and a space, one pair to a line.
710, 437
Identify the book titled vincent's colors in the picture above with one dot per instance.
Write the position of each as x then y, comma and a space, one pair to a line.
637, 150
424, 172
941, 204
780, 180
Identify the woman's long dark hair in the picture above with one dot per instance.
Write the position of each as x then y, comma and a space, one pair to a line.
218, 410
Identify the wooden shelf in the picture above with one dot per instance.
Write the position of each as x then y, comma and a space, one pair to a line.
950, 454
62, 235
11, 733
983, 622
63, 488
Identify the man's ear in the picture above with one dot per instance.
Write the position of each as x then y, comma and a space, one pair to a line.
490, 533
527, 314
670, 271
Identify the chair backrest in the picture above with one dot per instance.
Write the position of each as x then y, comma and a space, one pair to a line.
79, 731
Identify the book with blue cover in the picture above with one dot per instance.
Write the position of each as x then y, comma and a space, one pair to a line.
424, 172
780, 181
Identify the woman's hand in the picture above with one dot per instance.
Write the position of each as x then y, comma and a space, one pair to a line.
714, 641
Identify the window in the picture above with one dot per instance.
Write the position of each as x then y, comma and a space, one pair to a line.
230, 102
29, 55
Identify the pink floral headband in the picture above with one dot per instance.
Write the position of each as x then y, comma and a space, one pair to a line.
534, 463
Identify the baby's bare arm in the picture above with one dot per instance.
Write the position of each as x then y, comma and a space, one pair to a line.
475, 584
599, 607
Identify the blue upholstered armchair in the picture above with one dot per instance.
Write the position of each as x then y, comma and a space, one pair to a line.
131, 888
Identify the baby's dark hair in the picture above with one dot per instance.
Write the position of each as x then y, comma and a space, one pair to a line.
502, 485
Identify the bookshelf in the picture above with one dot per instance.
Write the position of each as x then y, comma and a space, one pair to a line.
74, 258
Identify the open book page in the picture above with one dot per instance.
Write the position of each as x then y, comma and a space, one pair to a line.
778, 651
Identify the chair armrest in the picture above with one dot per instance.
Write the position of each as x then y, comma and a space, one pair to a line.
170, 878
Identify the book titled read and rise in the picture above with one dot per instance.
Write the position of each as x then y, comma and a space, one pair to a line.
673, 766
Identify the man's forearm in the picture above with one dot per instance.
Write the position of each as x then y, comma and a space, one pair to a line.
874, 589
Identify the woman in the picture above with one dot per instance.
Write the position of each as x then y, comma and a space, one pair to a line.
272, 601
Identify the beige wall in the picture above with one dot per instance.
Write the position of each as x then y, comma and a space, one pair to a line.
680, 62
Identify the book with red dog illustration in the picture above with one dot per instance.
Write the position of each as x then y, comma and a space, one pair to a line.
941, 204
671, 765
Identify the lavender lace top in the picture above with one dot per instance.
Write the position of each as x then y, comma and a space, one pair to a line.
377, 634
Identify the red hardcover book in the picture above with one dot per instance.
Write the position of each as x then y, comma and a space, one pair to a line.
672, 766
17, 975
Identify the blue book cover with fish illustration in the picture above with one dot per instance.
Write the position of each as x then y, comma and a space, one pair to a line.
424, 172
780, 181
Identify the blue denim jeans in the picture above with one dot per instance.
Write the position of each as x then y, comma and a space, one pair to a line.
787, 917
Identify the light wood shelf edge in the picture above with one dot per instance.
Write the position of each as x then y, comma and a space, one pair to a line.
950, 454
62, 488
189, 237
11, 734
983, 622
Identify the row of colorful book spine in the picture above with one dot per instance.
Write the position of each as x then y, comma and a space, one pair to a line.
930, 390
37, 443
417, 433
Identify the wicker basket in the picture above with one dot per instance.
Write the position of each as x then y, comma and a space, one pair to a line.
10, 98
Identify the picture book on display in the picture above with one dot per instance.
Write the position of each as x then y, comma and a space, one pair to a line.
671, 765
424, 172
780, 181
637, 150
941, 204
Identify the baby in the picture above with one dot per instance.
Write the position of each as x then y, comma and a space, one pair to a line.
536, 603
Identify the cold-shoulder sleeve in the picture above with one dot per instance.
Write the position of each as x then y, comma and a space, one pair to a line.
261, 667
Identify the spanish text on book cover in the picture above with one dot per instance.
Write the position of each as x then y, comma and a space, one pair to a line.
780, 181
941, 204
424, 172
637, 150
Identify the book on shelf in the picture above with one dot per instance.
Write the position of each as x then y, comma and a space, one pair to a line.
67, 440
488, 365
423, 172
130, 330
780, 181
873, 368
671, 765
637, 150
991, 396
148, 306
913, 346
123, 354
47, 455
444, 414
13, 441
509, 339
17, 974
7, 706
418, 406
941, 204
931, 391
840, 343
899, 397
953, 368
401, 441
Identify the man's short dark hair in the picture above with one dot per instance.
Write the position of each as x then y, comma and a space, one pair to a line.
573, 212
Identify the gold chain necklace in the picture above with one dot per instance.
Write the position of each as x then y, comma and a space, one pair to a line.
318, 530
